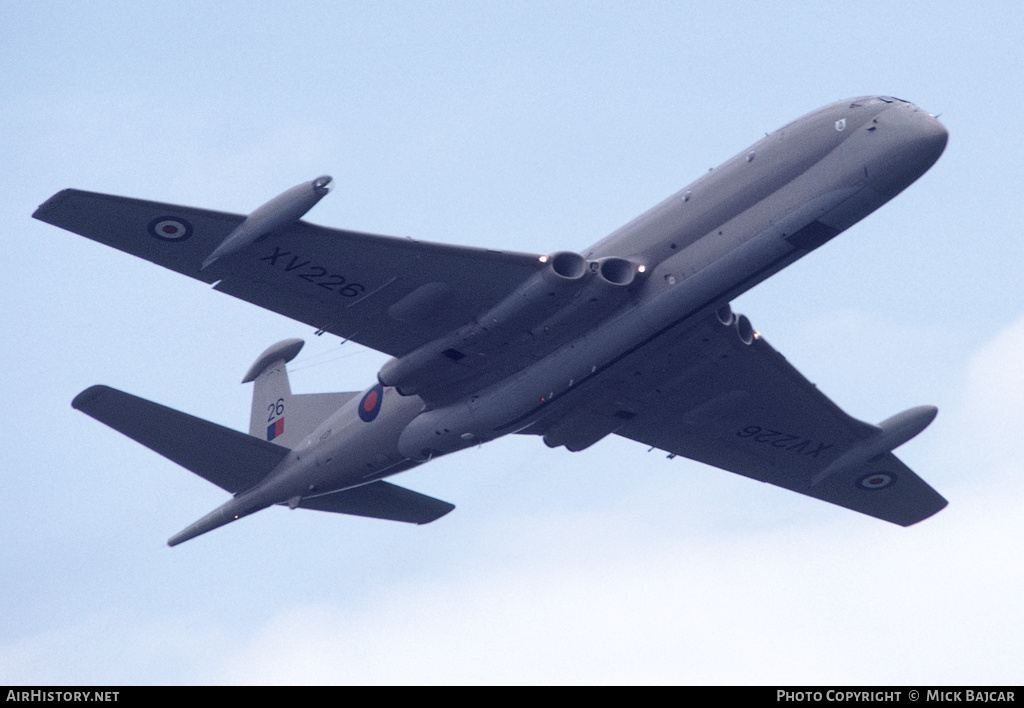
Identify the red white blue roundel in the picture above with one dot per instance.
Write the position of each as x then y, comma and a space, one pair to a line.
170, 228
369, 407
876, 480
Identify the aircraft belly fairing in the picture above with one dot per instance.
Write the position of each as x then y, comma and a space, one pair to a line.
635, 337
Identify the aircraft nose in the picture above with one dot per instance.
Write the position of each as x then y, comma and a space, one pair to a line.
910, 141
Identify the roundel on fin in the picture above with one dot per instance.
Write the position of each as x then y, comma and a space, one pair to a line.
369, 406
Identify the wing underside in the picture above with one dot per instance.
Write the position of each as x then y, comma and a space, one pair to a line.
705, 394
391, 294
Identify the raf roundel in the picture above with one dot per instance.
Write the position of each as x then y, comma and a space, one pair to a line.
369, 407
169, 228
876, 480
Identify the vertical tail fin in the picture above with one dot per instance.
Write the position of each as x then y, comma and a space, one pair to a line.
277, 415
272, 393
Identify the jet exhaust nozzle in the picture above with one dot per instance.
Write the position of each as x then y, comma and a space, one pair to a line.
568, 294
535, 300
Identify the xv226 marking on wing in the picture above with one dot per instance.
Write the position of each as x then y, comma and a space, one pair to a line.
304, 269
796, 444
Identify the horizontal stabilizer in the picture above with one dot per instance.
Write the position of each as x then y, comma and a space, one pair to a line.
381, 500
230, 459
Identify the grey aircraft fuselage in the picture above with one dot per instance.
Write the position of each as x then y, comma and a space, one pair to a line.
684, 259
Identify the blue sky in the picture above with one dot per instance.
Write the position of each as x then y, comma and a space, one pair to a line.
538, 127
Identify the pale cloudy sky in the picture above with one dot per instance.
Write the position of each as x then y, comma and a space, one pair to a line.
539, 127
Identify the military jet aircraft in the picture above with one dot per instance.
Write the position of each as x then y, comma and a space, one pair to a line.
634, 336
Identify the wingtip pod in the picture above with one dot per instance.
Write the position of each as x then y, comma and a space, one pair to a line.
892, 432
281, 211
904, 426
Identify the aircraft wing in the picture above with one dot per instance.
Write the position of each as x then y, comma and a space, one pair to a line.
390, 294
706, 395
